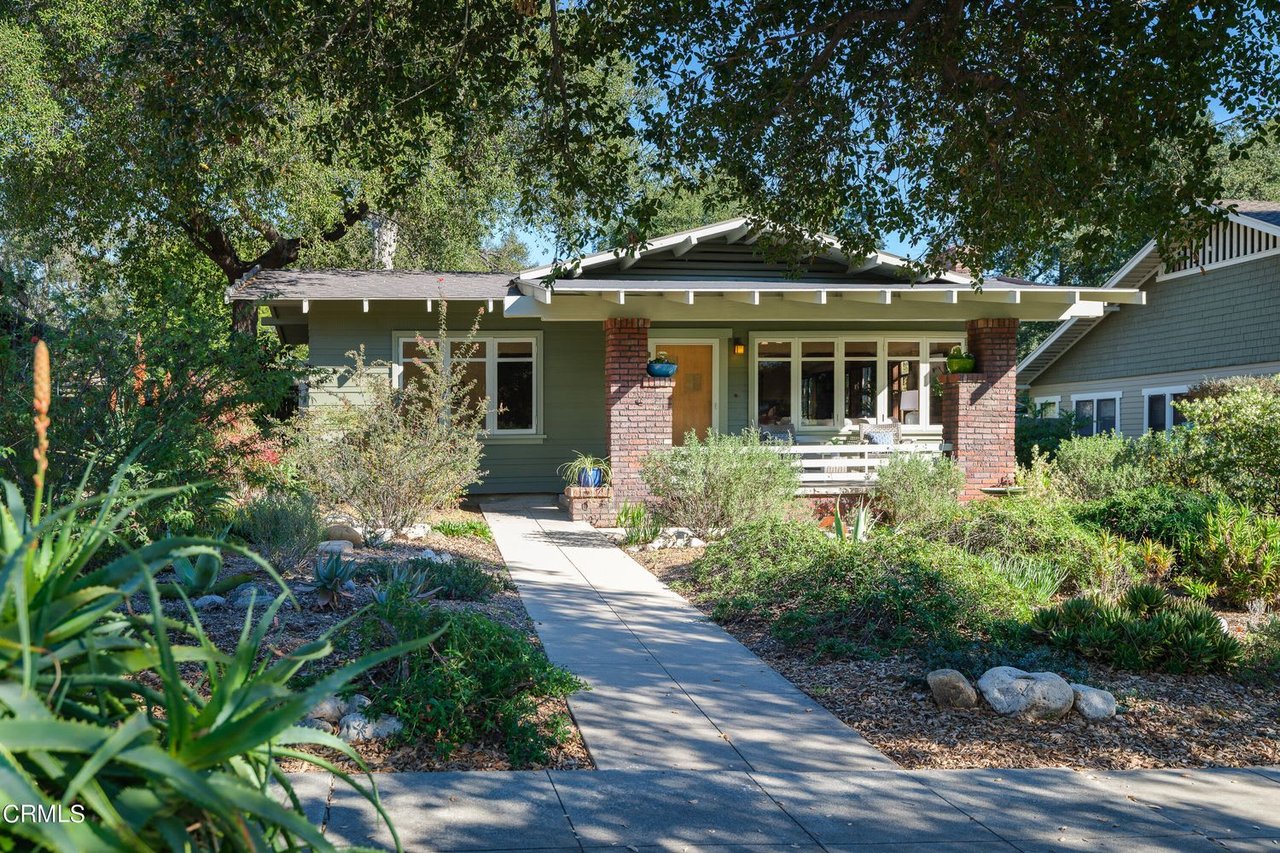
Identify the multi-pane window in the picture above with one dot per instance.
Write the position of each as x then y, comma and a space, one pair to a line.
502, 371
938, 351
823, 383
1161, 414
861, 382
1096, 414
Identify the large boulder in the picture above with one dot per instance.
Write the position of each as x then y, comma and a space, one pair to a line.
1093, 704
249, 594
331, 709
335, 546
359, 727
1034, 695
951, 689
344, 533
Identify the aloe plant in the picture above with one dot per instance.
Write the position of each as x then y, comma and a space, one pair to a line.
331, 573
154, 762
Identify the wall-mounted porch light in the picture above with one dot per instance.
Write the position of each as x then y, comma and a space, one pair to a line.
739, 348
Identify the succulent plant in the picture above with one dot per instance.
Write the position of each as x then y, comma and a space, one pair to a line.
411, 580
331, 574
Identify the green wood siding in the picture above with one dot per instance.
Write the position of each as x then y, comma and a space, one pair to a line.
572, 368
1228, 316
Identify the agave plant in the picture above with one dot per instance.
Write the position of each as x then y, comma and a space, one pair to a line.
95, 712
199, 576
331, 573
408, 579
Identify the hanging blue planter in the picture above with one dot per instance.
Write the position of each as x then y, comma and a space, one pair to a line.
662, 369
591, 478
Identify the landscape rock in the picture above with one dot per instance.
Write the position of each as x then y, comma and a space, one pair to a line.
1034, 695
379, 537
318, 724
951, 689
249, 594
207, 602
1093, 704
417, 531
335, 546
359, 727
331, 709
344, 533
358, 703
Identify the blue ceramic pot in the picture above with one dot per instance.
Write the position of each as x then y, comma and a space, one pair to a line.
592, 478
662, 370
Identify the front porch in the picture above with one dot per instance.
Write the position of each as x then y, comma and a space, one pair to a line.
834, 469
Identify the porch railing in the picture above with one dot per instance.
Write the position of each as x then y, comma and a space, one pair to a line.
827, 469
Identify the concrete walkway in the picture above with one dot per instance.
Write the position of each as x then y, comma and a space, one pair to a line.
702, 747
670, 690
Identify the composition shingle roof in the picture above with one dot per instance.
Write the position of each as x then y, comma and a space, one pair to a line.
372, 284
1263, 211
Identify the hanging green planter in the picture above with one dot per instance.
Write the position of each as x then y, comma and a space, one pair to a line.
959, 361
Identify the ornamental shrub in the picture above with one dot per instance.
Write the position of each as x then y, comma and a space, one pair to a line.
478, 684
918, 492
1146, 630
282, 527
395, 454
709, 485
1092, 467
1236, 442
1173, 516
1043, 433
1240, 554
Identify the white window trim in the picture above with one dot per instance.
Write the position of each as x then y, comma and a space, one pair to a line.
840, 338
1168, 391
491, 432
1040, 402
1095, 396
712, 339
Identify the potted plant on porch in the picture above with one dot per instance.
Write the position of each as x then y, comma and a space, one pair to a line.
661, 367
961, 361
586, 470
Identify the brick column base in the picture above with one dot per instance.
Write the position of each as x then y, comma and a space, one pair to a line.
637, 406
978, 408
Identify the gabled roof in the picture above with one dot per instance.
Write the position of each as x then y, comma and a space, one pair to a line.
730, 232
1224, 246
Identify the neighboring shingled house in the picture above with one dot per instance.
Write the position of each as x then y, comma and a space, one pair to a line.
1216, 316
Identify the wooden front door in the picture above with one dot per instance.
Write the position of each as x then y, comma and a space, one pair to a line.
691, 401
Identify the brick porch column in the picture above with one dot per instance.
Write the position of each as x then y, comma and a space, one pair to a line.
637, 406
978, 408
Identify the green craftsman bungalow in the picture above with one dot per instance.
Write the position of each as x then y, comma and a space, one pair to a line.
844, 364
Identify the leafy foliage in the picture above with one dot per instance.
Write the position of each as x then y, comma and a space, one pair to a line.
95, 709
1236, 441
1093, 467
1172, 516
1043, 433
473, 527
459, 579
918, 492
708, 485
479, 684
283, 527
852, 598
1037, 576
1240, 554
1146, 631
397, 453
640, 525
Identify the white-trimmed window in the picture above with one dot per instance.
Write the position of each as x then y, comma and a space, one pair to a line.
1047, 407
1097, 413
825, 382
1158, 412
501, 367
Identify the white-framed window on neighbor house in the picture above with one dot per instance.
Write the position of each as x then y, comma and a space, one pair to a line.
1158, 412
1047, 407
825, 382
1097, 413
503, 367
